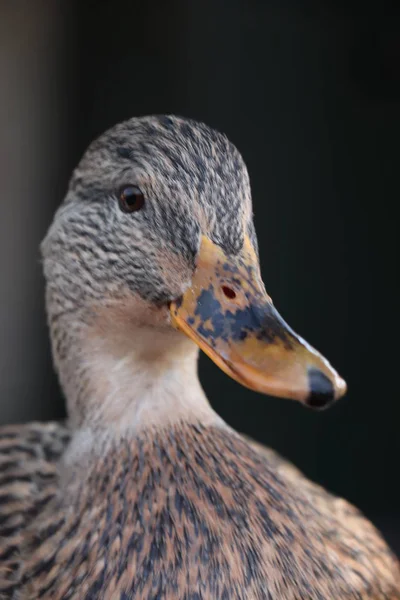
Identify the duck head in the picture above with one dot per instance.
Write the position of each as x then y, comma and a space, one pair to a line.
158, 221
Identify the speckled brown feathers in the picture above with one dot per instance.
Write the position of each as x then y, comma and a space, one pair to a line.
28, 481
197, 513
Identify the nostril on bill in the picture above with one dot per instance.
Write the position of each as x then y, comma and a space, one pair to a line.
229, 292
322, 392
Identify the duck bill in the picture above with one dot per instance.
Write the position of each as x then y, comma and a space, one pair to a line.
228, 314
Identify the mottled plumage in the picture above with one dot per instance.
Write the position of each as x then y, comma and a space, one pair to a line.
28, 481
148, 494
162, 506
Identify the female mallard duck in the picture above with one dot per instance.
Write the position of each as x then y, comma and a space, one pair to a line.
152, 495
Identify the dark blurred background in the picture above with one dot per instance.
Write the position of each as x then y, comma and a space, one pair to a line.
310, 93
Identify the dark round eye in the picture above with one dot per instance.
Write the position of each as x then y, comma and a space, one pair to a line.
130, 198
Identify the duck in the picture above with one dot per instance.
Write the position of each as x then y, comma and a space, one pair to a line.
145, 492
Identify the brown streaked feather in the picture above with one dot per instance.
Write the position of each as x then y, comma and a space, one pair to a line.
334, 508
28, 481
197, 512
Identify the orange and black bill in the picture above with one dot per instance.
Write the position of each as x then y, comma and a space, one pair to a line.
228, 314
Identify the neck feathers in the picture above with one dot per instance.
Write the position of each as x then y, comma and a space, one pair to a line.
121, 376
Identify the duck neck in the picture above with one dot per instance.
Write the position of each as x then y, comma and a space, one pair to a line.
120, 377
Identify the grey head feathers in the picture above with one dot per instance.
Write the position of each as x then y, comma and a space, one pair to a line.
194, 181
108, 272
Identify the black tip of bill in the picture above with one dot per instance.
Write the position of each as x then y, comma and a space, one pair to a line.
322, 392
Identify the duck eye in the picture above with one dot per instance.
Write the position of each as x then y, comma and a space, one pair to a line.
130, 198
